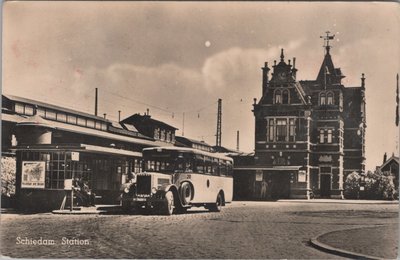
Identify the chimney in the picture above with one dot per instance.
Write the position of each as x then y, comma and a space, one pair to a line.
95, 102
294, 70
362, 80
384, 158
119, 116
265, 70
104, 115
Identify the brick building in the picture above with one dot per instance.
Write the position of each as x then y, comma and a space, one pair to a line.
308, 134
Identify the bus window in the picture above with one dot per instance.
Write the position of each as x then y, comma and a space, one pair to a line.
199, 163
188, 167
215, 167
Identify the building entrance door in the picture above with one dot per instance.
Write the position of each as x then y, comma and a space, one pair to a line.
325, 185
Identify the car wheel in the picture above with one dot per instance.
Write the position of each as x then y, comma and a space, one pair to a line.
168, 208
186, 193
217, 206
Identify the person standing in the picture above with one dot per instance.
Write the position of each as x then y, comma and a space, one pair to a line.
264, 189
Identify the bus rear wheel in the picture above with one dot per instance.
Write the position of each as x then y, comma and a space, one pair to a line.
168, 205
217, 206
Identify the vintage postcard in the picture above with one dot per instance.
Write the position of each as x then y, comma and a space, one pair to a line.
200, 130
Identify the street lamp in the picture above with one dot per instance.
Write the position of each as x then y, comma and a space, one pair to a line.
362, 185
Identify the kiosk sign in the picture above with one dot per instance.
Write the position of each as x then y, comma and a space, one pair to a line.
33, 175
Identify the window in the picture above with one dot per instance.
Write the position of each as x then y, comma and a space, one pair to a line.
61, 117
281, 130
285, 97
157, 133
162, 135
71, 119
329, 98
81, 121
292, 130
19, 108
97, 125
321, 136
41, 112
103, 126
90, 123
168, 136
50, 115
28, 110
322, 99
278, 97
329, 136
271, 130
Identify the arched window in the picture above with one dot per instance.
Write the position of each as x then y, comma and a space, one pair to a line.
285, 97
329, 98
278, 97
322, 99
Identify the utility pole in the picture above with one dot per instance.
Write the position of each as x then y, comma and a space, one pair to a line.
237, 140
219, 119
183, 124
95, 101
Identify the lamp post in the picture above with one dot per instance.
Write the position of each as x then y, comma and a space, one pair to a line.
362, 186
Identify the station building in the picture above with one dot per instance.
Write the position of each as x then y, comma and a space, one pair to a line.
308, 135
53, 143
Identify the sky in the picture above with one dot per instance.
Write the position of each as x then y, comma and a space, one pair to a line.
178, 58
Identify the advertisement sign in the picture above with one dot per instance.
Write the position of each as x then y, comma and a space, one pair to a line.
68, 184
33, 175
75, 156
302, 176
259, 175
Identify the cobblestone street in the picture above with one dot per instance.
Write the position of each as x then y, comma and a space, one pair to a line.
242, 230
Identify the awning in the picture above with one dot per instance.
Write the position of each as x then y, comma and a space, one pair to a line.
11, 118
79, 148
273, 168
107, 150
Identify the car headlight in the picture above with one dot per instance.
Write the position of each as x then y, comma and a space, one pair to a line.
154, 190
126, 190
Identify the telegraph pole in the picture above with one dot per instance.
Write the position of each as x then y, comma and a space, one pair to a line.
219, 119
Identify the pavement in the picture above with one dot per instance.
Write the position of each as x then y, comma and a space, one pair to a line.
244, 229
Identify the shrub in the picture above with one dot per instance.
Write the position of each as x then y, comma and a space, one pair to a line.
8, 168
352, 186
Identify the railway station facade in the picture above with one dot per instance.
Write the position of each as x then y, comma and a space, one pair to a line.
308, 135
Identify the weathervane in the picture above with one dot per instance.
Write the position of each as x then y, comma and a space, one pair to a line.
327, 38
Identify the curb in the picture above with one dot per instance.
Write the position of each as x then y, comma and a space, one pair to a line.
340, 252
78, 212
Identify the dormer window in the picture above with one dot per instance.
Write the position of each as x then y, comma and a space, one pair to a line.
278, 97
322, 99
329, 98
285, 97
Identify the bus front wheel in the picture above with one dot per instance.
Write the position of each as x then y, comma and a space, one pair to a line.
168, 207
217, 206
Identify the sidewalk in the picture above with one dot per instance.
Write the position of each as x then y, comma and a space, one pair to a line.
359, 243
98, 209
345, 201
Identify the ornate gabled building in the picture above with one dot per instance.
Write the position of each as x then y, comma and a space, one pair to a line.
308, 134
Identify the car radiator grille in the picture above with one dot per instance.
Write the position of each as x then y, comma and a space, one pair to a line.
143, 185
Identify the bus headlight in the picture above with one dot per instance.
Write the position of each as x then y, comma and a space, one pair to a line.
126, 190
153, 190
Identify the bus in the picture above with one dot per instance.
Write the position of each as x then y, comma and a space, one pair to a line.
176, 178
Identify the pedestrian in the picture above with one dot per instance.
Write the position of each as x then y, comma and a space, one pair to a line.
264, 185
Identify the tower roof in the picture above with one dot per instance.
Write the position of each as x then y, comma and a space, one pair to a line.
328, 74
